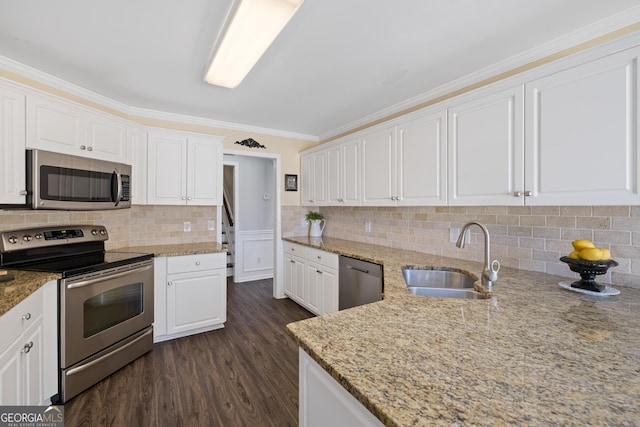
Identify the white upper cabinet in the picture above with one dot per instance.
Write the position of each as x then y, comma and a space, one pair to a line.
137, 158
582, 134
63, 127
12, 145
422, 161
343, 174
313, 176
184, 169
379, 168
485, 161
405, 165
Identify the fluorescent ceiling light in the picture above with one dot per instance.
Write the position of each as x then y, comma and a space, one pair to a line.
254, 26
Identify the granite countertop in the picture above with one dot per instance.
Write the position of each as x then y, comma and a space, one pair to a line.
27, 282
176, 249
24, 284
532, 354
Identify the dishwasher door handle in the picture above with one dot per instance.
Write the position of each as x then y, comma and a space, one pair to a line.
357, 269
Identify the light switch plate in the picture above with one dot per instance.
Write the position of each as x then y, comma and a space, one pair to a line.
367, 226
187, 226
211, 225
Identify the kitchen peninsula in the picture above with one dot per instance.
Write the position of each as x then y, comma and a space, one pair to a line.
532, 354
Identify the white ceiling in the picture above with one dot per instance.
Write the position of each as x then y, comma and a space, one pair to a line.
337, 62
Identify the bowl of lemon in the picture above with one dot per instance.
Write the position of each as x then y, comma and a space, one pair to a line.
589, 262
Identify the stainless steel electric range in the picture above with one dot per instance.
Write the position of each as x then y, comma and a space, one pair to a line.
105, 299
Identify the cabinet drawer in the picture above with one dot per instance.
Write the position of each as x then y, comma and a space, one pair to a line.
188, 263
327, 259
295, 249
19, 318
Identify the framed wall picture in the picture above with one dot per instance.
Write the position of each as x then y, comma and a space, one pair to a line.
290, 182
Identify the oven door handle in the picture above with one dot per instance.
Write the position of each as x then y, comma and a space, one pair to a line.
84, 283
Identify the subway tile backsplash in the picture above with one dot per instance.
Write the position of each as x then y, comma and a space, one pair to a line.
529, 238
137, 226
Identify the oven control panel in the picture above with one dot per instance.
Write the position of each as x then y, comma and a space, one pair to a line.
50, 236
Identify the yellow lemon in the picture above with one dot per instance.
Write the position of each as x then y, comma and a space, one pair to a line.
606, 255
581, 244
574, 255
590, 254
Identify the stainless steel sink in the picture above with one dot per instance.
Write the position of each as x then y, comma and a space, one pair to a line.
443, 283
440, 278
446, 293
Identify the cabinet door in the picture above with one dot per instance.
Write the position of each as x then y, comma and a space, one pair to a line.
196, 300
299, 281
11, 374
422, 161
12, 145
306, 180
351, 172
485, 153
319, 190
167, 169
329, 291
379, 168
204, 168
106, 138
32, 355
289, 274
137, 158
334, 176
313, 279
582, 134
54, 126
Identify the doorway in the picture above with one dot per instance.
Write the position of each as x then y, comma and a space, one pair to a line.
255, 206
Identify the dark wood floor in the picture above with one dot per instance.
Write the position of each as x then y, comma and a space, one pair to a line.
243, 375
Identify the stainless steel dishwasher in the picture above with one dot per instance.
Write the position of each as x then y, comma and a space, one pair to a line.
360, 282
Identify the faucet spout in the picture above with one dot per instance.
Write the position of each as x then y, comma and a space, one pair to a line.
491, 268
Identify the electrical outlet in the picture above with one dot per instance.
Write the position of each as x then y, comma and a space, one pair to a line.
367, 226
187, 226
211, 225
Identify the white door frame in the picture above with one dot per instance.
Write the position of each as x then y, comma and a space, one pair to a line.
278, 268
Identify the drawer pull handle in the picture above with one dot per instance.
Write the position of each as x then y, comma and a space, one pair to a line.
26, 316
27, 347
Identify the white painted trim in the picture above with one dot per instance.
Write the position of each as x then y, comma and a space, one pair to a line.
591, 32
72, 89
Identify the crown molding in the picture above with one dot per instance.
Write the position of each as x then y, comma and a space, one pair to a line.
56, 83
600, 29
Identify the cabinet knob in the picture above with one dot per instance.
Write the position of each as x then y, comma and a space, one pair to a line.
318, 271
517, 194
183, 198
89, 148
197, 262
292, 261
528, 193
27, 347
26, 316
23, 192
169, 283
83, 147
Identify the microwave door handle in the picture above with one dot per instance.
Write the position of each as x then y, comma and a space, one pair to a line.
118, 195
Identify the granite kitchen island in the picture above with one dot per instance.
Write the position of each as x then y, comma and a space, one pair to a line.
531, 354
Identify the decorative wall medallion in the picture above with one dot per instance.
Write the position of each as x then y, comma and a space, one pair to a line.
251, 143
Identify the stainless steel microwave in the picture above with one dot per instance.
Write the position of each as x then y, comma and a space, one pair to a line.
65, 182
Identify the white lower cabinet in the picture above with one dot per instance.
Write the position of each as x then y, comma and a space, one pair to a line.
190, 295
28, 350
311, 278
324, 402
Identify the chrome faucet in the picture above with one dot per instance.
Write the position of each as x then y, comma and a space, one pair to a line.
491, 268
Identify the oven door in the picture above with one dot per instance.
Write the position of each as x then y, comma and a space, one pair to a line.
100, 309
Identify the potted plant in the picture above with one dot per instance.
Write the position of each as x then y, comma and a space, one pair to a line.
317, 221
